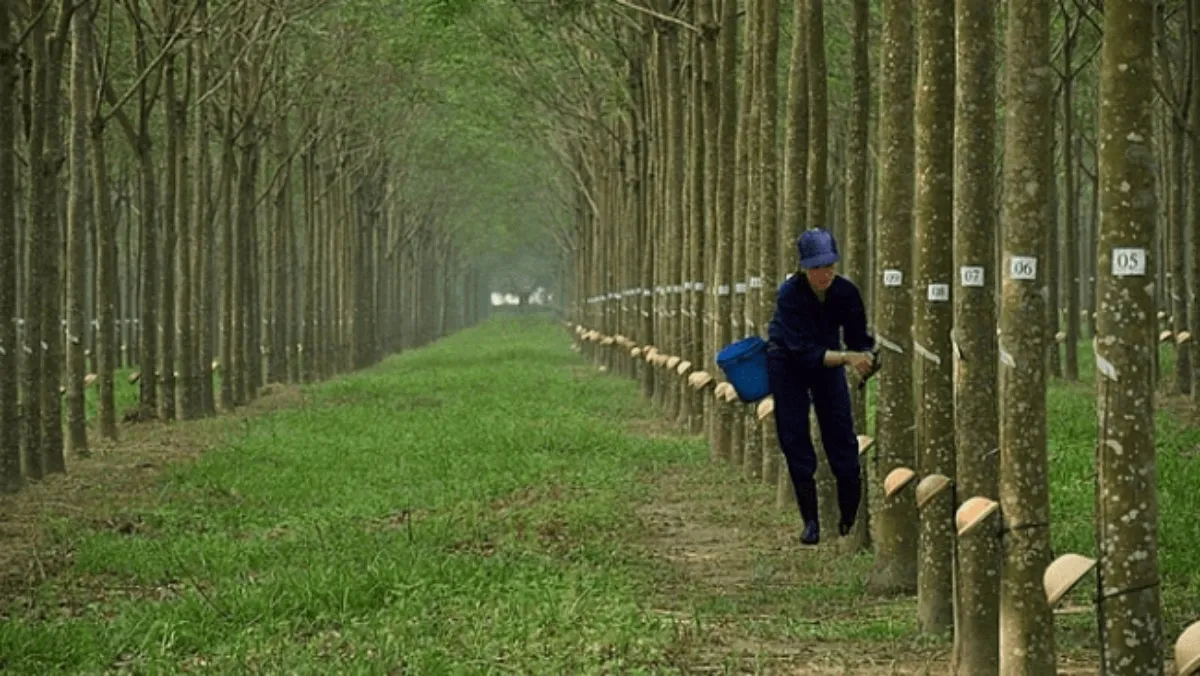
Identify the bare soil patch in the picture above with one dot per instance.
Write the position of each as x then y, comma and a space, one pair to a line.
101, 488
748, 598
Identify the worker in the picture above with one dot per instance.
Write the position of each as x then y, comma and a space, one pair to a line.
815, 312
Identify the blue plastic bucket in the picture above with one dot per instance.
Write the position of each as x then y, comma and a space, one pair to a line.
745, 366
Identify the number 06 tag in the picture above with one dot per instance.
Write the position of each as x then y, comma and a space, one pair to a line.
1023, 267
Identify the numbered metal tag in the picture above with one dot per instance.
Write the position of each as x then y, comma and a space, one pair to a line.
1023, 267
972, 275
1128, 262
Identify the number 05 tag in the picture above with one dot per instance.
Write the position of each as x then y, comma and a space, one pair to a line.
1128, 262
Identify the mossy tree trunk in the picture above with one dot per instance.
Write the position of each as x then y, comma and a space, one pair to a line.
724, 274
1129, 614
934, 158
977, 572
895, 568
78, 215
10, 430
1026, 623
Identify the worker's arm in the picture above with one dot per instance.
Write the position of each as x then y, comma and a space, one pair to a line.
854, 326
835, 358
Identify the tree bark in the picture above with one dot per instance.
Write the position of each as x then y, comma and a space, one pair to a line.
1194, 285
51, 262
795, 152
189, 211
77, 217
895, 568
727, 161
934, 153
1129, 613
856, 265
1070, 198
10, 428
977, 575
768, 191
818, 115
278, 358
1026, 623
148, 292
225, 261
166, 281
750, 298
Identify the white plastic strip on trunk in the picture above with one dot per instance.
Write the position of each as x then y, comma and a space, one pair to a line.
889, 345
926, 353
1006, 358
1103, 365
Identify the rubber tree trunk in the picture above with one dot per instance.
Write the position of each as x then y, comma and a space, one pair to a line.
977, 575
895, 569
933, 358
10, 429
1026, 623
1130, 609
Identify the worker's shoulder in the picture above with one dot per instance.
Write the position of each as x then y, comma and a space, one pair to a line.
843, 285
789, 282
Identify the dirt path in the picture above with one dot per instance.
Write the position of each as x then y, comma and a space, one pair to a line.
749, 599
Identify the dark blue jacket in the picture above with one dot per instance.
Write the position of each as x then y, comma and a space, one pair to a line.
806, 327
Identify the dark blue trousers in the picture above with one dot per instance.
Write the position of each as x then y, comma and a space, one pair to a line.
794, 389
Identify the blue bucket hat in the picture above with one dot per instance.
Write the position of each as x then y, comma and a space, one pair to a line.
817, 248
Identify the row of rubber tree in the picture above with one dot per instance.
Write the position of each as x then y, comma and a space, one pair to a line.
204, 194
688, 207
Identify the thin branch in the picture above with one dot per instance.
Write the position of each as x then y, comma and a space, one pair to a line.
285, 163
658, 15
33, 24
150, 68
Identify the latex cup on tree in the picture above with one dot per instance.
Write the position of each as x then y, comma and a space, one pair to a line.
896, 480
1063, 574
1187, 651
974, 512
930, 487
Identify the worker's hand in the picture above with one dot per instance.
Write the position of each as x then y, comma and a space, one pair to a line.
860, 361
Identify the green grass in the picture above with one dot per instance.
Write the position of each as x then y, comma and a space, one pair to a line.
125, 395
472, 507
459, 509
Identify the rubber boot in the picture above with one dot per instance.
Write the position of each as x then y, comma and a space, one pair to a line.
806, 498
849, 495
